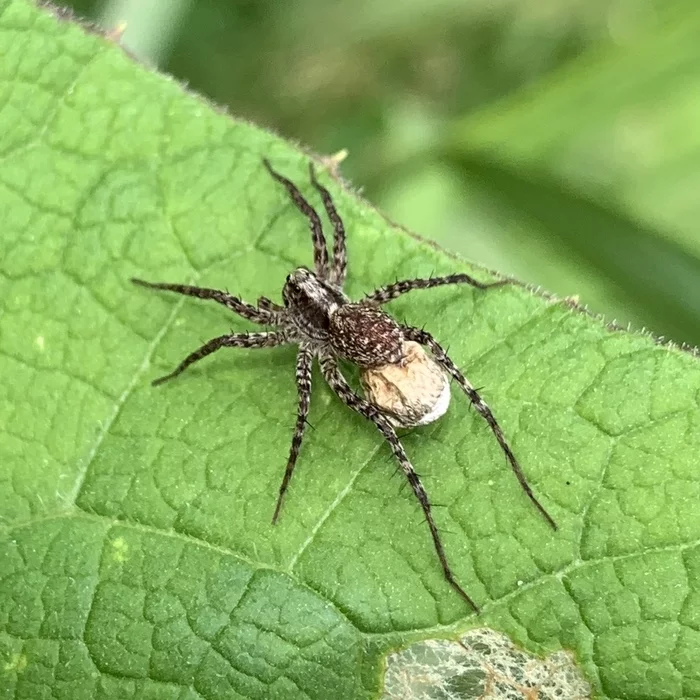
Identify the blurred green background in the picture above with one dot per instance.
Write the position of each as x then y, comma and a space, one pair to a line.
554, 140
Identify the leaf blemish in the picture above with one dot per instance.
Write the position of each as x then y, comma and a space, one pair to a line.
17, 663
120, 549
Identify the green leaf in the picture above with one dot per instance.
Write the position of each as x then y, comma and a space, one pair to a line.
137, 558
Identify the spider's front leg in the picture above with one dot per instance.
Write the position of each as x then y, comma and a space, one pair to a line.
268, 305
319, 240
392, 291
443, 359
234, 340
303, 379
338, 383
340, 258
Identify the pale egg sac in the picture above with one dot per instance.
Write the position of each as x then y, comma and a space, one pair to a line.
414, 391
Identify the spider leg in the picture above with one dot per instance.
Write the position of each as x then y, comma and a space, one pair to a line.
303, 378
443, 359
340, 258
320, 250
268, 305
337, 382
391, 291
234, 340
263, 316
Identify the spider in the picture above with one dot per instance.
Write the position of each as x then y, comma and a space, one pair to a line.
326, 325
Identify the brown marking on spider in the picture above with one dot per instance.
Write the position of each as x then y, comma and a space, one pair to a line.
319, 318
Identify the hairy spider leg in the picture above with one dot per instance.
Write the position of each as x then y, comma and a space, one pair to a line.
263, 315
319, 240
268, 305
234, 340
443, 359
303, 378
337, 382
392, 291
340, 256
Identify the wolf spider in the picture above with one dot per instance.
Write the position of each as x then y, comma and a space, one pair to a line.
319, 318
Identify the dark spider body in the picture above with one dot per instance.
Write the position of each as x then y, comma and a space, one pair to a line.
326, 325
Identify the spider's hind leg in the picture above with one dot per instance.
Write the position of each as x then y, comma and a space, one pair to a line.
338, 383
424, 338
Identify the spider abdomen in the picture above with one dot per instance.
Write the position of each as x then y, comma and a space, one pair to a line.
365, 335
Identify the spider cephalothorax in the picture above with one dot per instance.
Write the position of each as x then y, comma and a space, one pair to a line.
404, 385
320, 313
